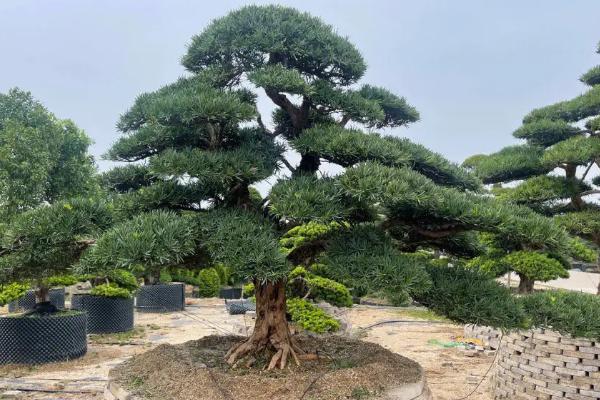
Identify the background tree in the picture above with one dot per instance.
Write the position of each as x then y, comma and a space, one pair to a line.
554, 169
42, 158
197, 145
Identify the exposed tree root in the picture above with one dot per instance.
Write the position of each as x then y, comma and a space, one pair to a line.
271, 331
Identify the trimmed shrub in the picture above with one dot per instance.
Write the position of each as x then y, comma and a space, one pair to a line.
574, 313
330, 291
62, 280
310, 317
123, 279
12, 292
535, 266
248, 290
470, 297
110, 290
165, 277
209, 283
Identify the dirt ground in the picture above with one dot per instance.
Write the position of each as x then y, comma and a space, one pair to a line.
451, 373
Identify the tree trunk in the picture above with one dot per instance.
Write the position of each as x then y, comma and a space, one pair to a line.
525, 284
42, 301
309, 164
271, 332
42, 294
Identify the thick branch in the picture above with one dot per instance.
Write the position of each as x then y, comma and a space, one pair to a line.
283, 102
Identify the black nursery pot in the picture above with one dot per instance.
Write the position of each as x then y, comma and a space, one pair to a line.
230, 293
160, 298
42, 339
27, 302
105, 314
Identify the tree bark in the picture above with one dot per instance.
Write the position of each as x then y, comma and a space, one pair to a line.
309, 165
271, 331
525, 284
42, 294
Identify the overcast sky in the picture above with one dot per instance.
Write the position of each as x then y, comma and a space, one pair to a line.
472, 68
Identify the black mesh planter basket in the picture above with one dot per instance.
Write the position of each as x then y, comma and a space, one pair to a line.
235, 307
42, 339
27, 302
105, 314
230, 293
160, 298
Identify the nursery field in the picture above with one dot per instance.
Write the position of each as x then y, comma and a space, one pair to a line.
451, 373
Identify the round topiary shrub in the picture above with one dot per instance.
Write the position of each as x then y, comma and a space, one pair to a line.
209, 283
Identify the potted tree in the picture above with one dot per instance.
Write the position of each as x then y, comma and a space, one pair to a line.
35, 246
109, 304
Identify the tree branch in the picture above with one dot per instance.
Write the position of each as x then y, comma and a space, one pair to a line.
283, 102
345, 119
587, 169
589, 192
288, 165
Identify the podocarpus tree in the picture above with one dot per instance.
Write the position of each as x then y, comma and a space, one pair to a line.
42, 158
561, 147
199, 143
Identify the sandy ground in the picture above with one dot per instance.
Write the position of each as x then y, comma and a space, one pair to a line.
451, 374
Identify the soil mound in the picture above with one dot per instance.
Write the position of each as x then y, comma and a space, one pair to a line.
345, 369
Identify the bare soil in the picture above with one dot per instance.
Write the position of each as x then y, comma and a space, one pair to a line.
194, 370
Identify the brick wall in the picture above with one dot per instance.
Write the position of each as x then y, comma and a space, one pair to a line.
488, 335
543, 364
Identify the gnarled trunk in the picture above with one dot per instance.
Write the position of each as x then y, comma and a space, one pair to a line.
525, 284
42, 301
271, 331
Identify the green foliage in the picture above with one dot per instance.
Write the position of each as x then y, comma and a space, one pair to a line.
306, 233
585, 223
330, 291
45, 241
545, 132
573, 313
397, 112
248, 290
62, 280
310, 317
224, 274
591, 77
580, 250
123, 279
283, 34
583, 106
153, 240
125, 178
42, 158
510, 163
321, 288
490, 266
536, 266
366, 259
165, 276
279, 78
208, 283
411, 198
110, 290
542, 189
577, 150
348, 147
245, 242
306, 198
12, 291
469, 297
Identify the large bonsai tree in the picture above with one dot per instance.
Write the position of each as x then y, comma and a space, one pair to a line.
554, 169
196, 147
